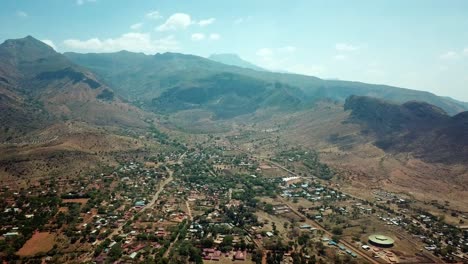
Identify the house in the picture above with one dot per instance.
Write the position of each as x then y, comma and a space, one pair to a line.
139, 203
160, 232
11, 234
133, 255
239, 255
269, 234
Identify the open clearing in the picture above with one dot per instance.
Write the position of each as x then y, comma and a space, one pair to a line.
39, 242
79, 200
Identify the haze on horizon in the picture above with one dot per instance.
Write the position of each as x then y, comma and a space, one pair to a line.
413, 44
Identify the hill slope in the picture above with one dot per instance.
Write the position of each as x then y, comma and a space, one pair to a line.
40, 87
57, 117
143, 78
422, 129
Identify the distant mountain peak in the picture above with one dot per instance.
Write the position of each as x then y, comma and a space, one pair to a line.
234, 60
27, 48
28, 40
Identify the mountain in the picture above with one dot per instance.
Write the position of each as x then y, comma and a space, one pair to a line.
40, 87
234, 60
58, 118
228, 95
142, 79
64, 114
422, 129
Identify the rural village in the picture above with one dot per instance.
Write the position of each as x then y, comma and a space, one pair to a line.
218, 204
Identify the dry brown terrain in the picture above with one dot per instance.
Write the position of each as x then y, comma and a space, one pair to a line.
67, 150
40, 242
365, 167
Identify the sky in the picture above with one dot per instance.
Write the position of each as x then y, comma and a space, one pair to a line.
417, 44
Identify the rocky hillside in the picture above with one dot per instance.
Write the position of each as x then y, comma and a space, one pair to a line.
419, 128
40, 87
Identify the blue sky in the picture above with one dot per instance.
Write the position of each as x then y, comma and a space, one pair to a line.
414, 44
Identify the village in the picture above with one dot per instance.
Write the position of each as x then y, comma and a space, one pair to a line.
218, 204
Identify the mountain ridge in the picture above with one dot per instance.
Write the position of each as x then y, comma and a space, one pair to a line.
415, 127
40, 87
142, 78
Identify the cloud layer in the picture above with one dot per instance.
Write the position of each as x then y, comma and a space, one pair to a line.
136, 42
153, 15
176, 21
198, 36
136, 26
206, 22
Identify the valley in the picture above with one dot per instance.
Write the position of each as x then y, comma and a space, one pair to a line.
172, 158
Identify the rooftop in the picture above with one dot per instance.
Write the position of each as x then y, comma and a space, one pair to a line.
381, 239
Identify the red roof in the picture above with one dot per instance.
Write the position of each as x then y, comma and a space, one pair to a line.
137, 248
239, 255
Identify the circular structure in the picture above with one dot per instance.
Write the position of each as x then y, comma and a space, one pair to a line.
381, 240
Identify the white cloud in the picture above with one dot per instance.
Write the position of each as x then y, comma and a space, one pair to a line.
345, 47
175, 22
136, 42
340, 57
136, 26
215, 36
449, 55
465, 51
82, 2
21, 14
198, 36
50, 43
265, 52
153, 15
206, 22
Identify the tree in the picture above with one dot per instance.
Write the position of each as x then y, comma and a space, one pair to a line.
207, 242
337, 230
115, 252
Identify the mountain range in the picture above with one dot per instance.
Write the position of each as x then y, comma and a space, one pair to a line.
90, 109
142, 79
